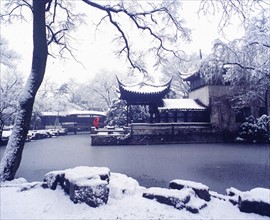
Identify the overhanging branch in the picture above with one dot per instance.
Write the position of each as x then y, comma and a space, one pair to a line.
239, 65
139, 21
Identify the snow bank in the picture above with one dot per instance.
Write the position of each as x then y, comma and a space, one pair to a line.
125, 202
16, 182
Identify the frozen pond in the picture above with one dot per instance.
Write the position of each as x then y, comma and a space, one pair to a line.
219, 166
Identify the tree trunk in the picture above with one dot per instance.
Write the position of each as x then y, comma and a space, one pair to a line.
12, 157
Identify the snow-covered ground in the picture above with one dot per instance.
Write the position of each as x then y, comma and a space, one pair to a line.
24, 200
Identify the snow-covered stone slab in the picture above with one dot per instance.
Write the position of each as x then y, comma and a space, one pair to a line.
173, 198
256, 201
83, 184
201, 190
179, 199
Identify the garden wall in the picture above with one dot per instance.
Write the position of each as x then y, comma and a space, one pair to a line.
162, 133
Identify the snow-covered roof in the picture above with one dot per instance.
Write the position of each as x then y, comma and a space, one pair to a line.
53, 113
143, 93
73, 112
181, 104
144, 88
82, 112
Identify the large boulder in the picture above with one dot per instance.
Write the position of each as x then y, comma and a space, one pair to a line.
83, 184
201, 190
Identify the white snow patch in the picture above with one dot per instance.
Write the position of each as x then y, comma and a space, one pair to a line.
257, 194
77, 174
121, 185
16, 182
181, 194
191, 184
81, 175
195, 202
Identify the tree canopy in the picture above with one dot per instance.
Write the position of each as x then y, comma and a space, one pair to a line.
243, 63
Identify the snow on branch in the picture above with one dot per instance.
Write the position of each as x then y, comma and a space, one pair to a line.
160, 22
239, 65
231, 8
15, 10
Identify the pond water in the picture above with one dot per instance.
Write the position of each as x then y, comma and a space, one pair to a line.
219, 166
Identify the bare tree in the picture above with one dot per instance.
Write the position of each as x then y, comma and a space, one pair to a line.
103, 88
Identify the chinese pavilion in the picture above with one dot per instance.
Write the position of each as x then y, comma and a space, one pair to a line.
161, 109
144, 94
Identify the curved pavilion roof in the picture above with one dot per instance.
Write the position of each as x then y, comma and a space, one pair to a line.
143, 93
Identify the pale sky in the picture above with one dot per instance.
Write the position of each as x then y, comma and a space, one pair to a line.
95, 50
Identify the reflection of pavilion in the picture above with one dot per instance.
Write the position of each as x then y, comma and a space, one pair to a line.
161, 109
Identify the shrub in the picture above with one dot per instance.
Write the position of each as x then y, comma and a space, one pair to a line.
255, 129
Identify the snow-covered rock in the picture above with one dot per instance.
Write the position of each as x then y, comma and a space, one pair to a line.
233, 195
256, 200
201, 190
180, 199
121, 185
83, 184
